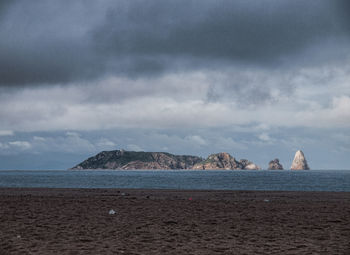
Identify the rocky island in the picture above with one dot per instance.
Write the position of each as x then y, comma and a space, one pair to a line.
225, 161
275, 165
299, 162
129, 160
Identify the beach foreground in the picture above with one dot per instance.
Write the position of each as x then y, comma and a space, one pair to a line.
77, 221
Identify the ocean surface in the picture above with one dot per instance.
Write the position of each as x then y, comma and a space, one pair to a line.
313, 180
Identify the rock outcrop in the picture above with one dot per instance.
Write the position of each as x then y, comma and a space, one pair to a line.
248, 165
221, 160
224, 161
120, 159
299, 162
275, 165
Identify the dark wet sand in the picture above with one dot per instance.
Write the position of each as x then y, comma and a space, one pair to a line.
72, 221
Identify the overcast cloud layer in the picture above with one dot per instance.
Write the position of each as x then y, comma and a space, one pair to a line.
211, 75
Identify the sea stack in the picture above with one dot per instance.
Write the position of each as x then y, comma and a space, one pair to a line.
299, 162
275, 165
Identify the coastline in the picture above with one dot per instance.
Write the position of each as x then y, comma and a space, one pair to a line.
66, 221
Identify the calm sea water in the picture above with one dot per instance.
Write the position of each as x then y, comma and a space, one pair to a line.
325, 180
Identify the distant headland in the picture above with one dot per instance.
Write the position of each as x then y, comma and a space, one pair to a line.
132, 160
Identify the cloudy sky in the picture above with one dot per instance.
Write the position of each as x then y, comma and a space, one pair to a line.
257, 79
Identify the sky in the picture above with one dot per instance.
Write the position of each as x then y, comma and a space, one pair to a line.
256, 79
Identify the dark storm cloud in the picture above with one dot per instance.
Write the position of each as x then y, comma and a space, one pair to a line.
343, 11
49, 64
243, 30
60, 42
46, 42
205, 32
4, 5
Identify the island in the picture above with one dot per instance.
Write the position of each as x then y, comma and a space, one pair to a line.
275, 165
131, 160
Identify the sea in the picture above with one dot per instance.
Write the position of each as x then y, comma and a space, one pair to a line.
283, 180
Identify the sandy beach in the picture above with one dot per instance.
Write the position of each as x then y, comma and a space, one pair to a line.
77, 221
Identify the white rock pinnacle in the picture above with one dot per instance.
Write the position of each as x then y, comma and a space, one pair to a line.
299, 162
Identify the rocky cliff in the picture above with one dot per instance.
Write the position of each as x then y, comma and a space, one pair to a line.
225, 161
299, 162
120, 159
275, 165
